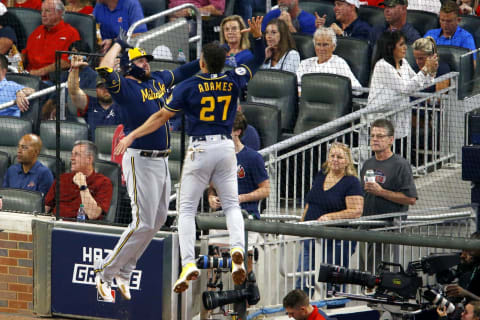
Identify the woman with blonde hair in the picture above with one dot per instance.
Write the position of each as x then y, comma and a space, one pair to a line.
80, 6
234, 41
336, 194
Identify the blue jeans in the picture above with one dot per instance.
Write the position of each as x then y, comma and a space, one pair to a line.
309, 246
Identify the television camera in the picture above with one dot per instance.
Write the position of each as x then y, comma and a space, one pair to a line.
402, 288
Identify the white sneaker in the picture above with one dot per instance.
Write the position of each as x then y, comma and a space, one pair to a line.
124, 287
103, 288
238, 269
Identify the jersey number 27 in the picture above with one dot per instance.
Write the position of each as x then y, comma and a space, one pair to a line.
207, 113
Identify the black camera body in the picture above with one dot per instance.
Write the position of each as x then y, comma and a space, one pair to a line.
250, 293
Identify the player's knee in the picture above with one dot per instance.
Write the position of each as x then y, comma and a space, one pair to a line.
232, 209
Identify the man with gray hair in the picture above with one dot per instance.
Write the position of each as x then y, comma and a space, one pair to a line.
82, 186
52, 35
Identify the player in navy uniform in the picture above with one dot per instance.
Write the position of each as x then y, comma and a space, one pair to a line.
209, 101
139, 94
252, 177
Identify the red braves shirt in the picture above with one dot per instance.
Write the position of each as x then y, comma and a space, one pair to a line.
100, 188
315, 315
31, 4
42, 44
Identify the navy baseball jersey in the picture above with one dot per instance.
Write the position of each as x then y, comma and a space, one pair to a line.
209, 100
250, 173
127, 93
96, 115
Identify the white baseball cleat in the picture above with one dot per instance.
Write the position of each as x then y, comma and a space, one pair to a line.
189, 272
124, 287
238, 269
104, 289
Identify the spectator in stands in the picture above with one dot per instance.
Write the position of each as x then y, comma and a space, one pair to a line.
101, 110
393, 79
449, 32
470, 312
253, 182
54, 34
206, 7
422, 49
430, 5
80, 6
325, 42
235, 42
336, 194
7, 34
29, 4
468, 7
82, 186
29, 173
115, 14
296, 19
393, 189
297, 305
347, 23
395, 13
280, 53
10, 90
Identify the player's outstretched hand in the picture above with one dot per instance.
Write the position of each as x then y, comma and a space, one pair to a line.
77, 61
255, 27
123, 145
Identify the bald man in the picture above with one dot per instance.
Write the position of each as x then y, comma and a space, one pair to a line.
28, 173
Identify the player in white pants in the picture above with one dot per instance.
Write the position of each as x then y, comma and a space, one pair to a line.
209, 101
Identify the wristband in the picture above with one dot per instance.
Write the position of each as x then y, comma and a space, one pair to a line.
83, 188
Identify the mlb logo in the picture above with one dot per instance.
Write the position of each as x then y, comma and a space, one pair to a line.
120, 20
100, 299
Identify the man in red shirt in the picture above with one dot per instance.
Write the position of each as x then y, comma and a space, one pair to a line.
54, 34
297, 305
82, 186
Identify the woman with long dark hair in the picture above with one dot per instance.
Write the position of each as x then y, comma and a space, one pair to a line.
281, 51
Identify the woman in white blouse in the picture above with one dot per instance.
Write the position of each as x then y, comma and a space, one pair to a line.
281, 53
325, 42
393, 79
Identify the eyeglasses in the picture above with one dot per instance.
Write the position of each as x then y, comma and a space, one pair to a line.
233, 29
378, 136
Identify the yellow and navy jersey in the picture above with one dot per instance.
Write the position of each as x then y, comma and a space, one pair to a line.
209, 100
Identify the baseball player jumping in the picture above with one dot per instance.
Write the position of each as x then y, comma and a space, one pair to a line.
140, 93
209, 101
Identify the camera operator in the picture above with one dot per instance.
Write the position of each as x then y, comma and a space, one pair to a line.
468, 275
471, 312
297, 305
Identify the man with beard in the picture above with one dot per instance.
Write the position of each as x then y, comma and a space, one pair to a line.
101, 110
468, 275
139, 94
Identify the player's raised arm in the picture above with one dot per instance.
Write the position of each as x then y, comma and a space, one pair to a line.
186, 71
153, 123
255, 28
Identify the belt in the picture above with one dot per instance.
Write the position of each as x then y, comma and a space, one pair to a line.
204, 138
154, 153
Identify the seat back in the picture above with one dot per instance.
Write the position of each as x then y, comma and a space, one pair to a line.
159, 64
151, 7
113, 172
472, 24
29, 20
277, 88
464, 65
22, 200
51, 163
4, 164
320, 7
34, 112
69, 133
103, 140
266, 119
11, 130
318, 105
372, 15
304, 44
86, 27
422, 20
355, 52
